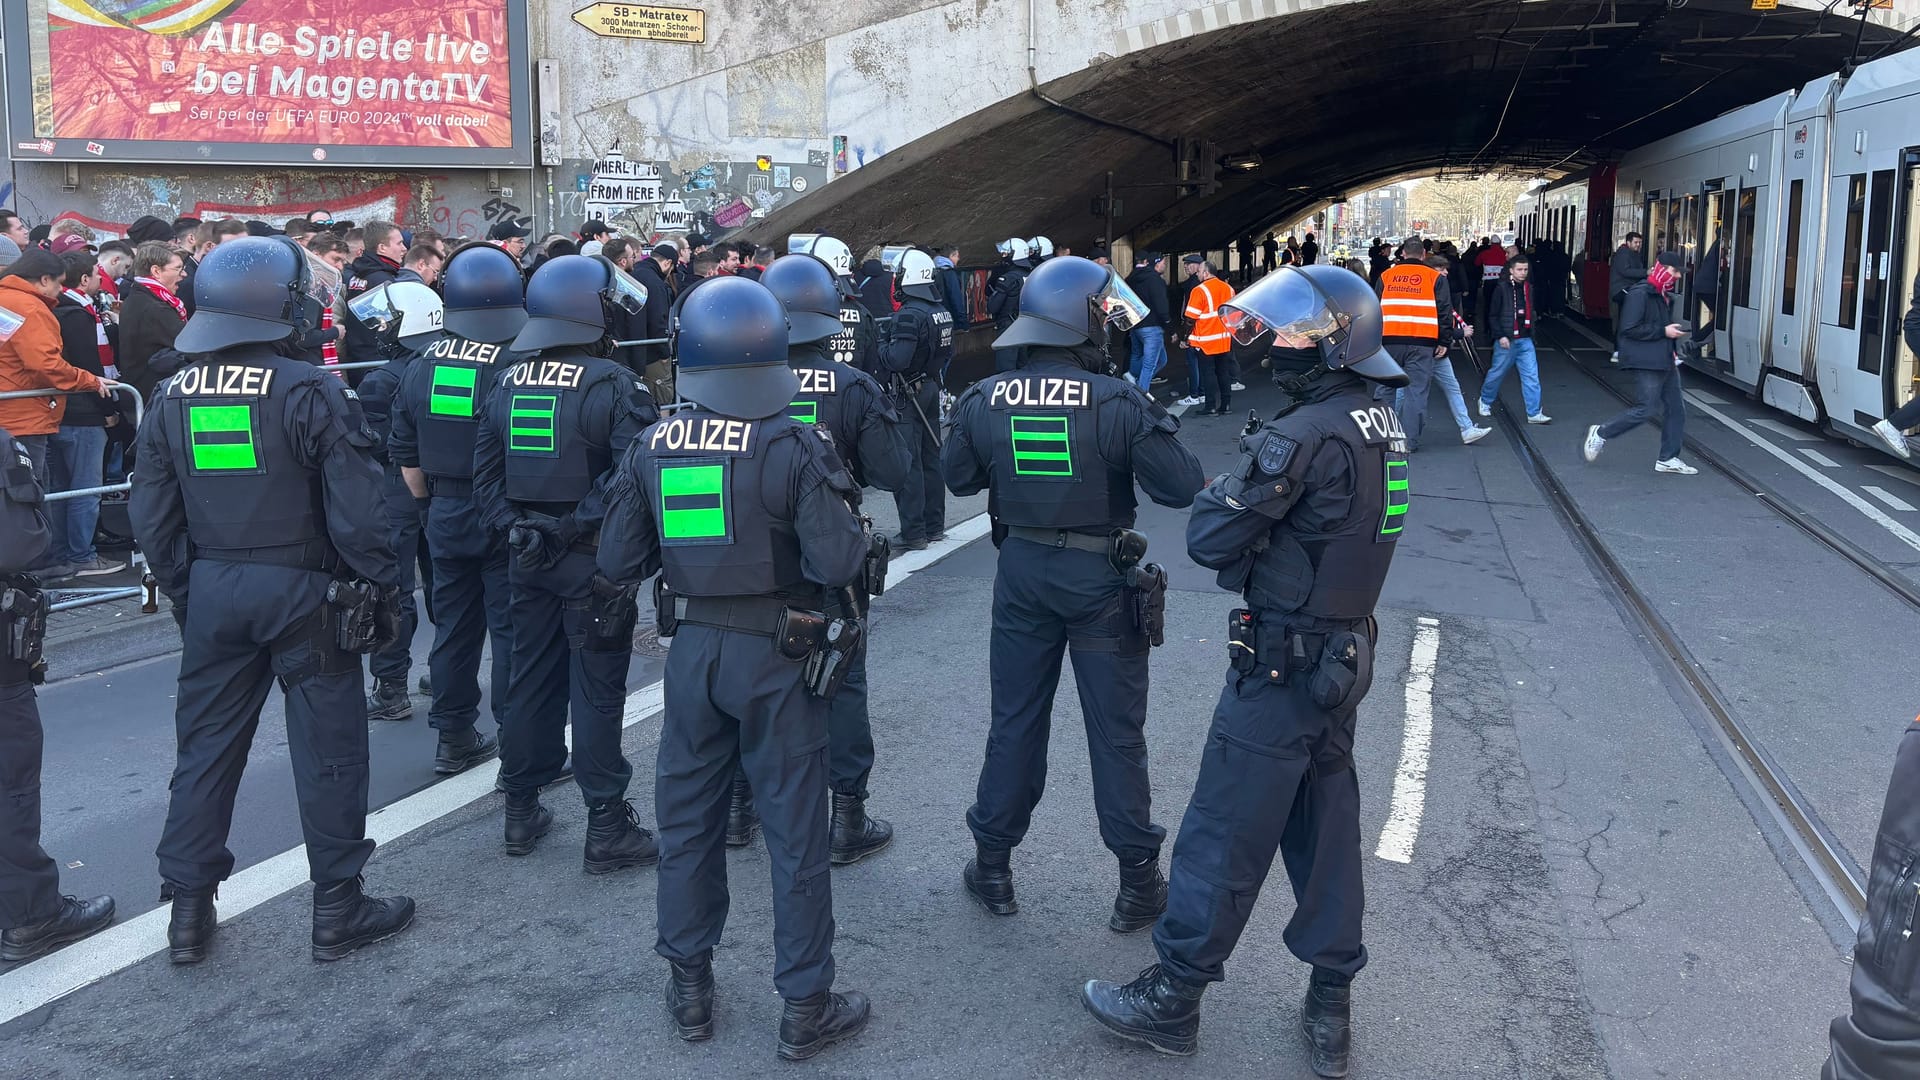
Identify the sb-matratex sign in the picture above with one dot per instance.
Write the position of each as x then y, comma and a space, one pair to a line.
343, 82
647, 22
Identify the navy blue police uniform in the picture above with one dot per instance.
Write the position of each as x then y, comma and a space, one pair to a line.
1059, 449
254, 495
389, 666
747, 516
1879, 1039
553, 429
920, 348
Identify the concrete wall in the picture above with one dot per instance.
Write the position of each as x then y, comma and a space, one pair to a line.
783, 99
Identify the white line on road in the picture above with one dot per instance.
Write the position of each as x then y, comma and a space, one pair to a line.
1703, 397
30, 986
1779, 428
1851, 498
1898, 473
1410, 778
1889, 498
1820, 459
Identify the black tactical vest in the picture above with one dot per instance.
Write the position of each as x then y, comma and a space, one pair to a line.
549, 460
240, 480
1047, 469
822, 400
712, 480
1011, 283
845, 345
935, 346
456, 376
1336, 570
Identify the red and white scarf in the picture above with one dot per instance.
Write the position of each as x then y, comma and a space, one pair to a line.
107, 367
163, 293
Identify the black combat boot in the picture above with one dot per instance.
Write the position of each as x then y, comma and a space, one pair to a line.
1156, 1009
462, 750
811, 1024
76, 919
989, 877
1325, 1018
742, 819
615, 840
389, 700
1143, 896
854, 835
191, 926
344, 918
527, 822
690, 1000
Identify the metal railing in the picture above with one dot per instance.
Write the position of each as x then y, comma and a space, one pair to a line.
68, 598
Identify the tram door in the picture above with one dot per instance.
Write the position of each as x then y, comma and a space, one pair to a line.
1707, 284
1853, 332
1903, 368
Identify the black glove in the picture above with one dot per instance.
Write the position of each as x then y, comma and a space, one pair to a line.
535, 542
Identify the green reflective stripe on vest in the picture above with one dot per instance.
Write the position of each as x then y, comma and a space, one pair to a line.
530, 427
452, 391
1042, 445
805, 412
222, 438
693, 502
1397, 495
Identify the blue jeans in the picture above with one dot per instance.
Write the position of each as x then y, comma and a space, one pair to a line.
1196, 386
75, 456
1148, 344
1654, 392
1520, 354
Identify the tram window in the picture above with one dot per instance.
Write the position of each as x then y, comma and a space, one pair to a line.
1743, 247
1850, 254
1873, 300
1791, 273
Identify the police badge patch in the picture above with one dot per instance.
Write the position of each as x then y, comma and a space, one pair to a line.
1275, 454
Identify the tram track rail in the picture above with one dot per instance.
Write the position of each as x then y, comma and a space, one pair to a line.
1747, 761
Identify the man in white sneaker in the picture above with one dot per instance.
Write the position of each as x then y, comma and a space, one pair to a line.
1893, 429
1510, 315
1647, 334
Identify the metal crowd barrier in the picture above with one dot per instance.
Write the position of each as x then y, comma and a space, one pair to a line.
77, 597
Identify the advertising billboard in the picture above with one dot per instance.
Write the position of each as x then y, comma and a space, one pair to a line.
313, 82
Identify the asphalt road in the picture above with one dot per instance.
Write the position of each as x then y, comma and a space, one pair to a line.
1587, 895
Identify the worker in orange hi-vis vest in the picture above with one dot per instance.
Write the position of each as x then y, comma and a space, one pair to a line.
1205, 332
1417, 309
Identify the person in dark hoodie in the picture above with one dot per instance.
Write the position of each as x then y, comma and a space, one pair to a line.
1646, 346
1148, 338
378, 264
656, 273
876, 289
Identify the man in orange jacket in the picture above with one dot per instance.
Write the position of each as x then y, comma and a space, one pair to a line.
30, 359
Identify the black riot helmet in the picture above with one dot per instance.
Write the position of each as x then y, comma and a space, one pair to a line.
568, 302
486, 298
806, 287
252, 289
1323, 307
1071, 301
731, 342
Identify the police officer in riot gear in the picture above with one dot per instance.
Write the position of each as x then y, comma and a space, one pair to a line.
1003, 295
747, 516
557, 422
34, 918
1059, 445
1041, 249
1879, 1038
435, 422
255, 497
1304, 527
918, 351
871, 439
859, 341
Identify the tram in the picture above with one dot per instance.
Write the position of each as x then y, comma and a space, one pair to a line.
1798, 220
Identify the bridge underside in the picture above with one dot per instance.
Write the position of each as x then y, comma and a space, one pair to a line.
1334, 100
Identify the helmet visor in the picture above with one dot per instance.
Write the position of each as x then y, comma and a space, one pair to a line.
323, 281
1288, 306
1118, 304
399, 308
623, 291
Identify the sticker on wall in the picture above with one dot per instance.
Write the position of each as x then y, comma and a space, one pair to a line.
817, 158
763, 163
799, 184
839, 153
673, 215
782, 176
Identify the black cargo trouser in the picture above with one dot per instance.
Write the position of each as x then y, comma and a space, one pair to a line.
29, 879
403, 531
470, 591
1047, 601
733, 701
1880, 1038
248, 624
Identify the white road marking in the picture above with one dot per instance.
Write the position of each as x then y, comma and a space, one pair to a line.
30, 986
1779, 428
1898, 473
1820, 459
1410, 777
1703, 397
1845, 494
1889, 498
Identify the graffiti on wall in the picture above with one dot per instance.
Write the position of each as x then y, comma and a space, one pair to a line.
651, 199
